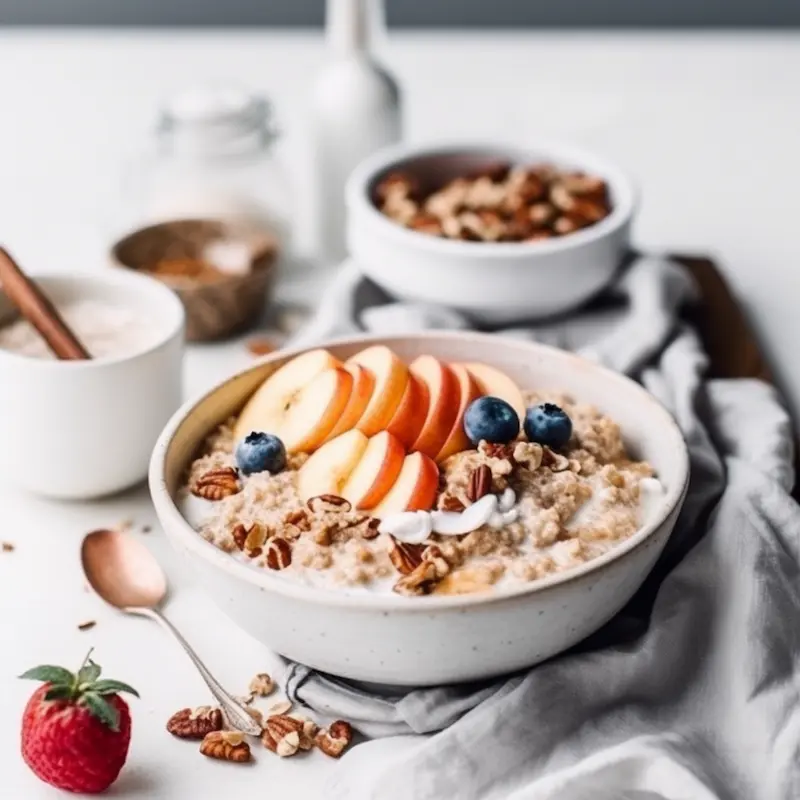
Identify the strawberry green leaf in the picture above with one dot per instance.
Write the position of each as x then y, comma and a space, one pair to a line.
112, 687
89, 673
60, 692
49, 674
102, 709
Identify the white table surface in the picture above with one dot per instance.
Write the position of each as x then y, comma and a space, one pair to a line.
707, 123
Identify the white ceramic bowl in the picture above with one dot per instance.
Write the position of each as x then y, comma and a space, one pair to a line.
435, 639
494, 282
82, 429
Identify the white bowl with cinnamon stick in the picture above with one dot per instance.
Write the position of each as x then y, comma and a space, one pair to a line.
90, 370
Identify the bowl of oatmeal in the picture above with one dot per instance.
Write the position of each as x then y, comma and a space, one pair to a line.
502, 233
85, 428
421, 509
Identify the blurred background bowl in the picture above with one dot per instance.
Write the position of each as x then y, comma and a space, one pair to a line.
494, 282
218, 303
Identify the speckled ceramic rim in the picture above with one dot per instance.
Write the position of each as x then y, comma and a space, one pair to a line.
178, 528
359, 186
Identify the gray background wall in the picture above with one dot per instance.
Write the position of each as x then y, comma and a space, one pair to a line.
401, 13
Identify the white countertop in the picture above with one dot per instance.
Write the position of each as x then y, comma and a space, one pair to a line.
707, 124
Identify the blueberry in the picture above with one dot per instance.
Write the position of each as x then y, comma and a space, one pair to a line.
260, 451
548, 424
492, 419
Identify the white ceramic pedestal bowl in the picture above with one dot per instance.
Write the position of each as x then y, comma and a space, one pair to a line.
496, 282
435, 639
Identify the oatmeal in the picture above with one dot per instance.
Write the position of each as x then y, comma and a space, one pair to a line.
504, 514
106, 330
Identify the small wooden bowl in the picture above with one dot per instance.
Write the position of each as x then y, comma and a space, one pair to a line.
214, 309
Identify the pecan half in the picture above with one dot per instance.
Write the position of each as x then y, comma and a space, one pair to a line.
226, 746
217, 484
480, 483
251, 539
335, 738
279, 553
285, 735
404, 556
328, 502
195, 723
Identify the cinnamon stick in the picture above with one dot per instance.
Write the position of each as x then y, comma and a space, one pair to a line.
39, 311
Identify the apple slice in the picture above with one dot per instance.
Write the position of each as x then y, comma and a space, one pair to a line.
469, 390
391, 377
443, 400
493, 382
328, 469
415, 488
266, 410
376, 472
318, 407
360, 394
410, 416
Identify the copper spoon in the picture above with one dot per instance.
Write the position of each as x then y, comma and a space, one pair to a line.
125, 574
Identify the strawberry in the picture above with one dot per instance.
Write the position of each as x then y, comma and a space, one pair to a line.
76, 728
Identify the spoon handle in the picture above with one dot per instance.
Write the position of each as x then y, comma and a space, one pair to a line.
232, 709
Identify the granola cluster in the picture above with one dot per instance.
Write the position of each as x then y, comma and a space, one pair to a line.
498, 204
569, 507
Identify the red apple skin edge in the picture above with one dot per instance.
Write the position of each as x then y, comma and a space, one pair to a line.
425, 497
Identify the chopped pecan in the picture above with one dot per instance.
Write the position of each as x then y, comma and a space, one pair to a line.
423, 222
260, 346
404, 556
396, 183
555, 461
503, 452
217, 484
449, 502
226, 746
195, 723
261, 685
324, 536
250, 539
335, 738
279, 553
370, 529
423, 578
480, 483
328, 502
298, 519
529, 454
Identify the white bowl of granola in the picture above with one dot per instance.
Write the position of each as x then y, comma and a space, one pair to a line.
503, 233
399, 551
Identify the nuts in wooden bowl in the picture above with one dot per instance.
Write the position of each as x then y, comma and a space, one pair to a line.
222, 271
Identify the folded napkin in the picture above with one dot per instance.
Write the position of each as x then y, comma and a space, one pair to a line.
692, 690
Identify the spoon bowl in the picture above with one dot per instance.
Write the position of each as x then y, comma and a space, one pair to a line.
122, 570
124, 573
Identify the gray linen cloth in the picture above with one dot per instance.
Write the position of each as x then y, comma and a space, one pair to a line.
692, 690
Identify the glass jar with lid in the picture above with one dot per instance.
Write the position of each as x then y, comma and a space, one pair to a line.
213, 159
